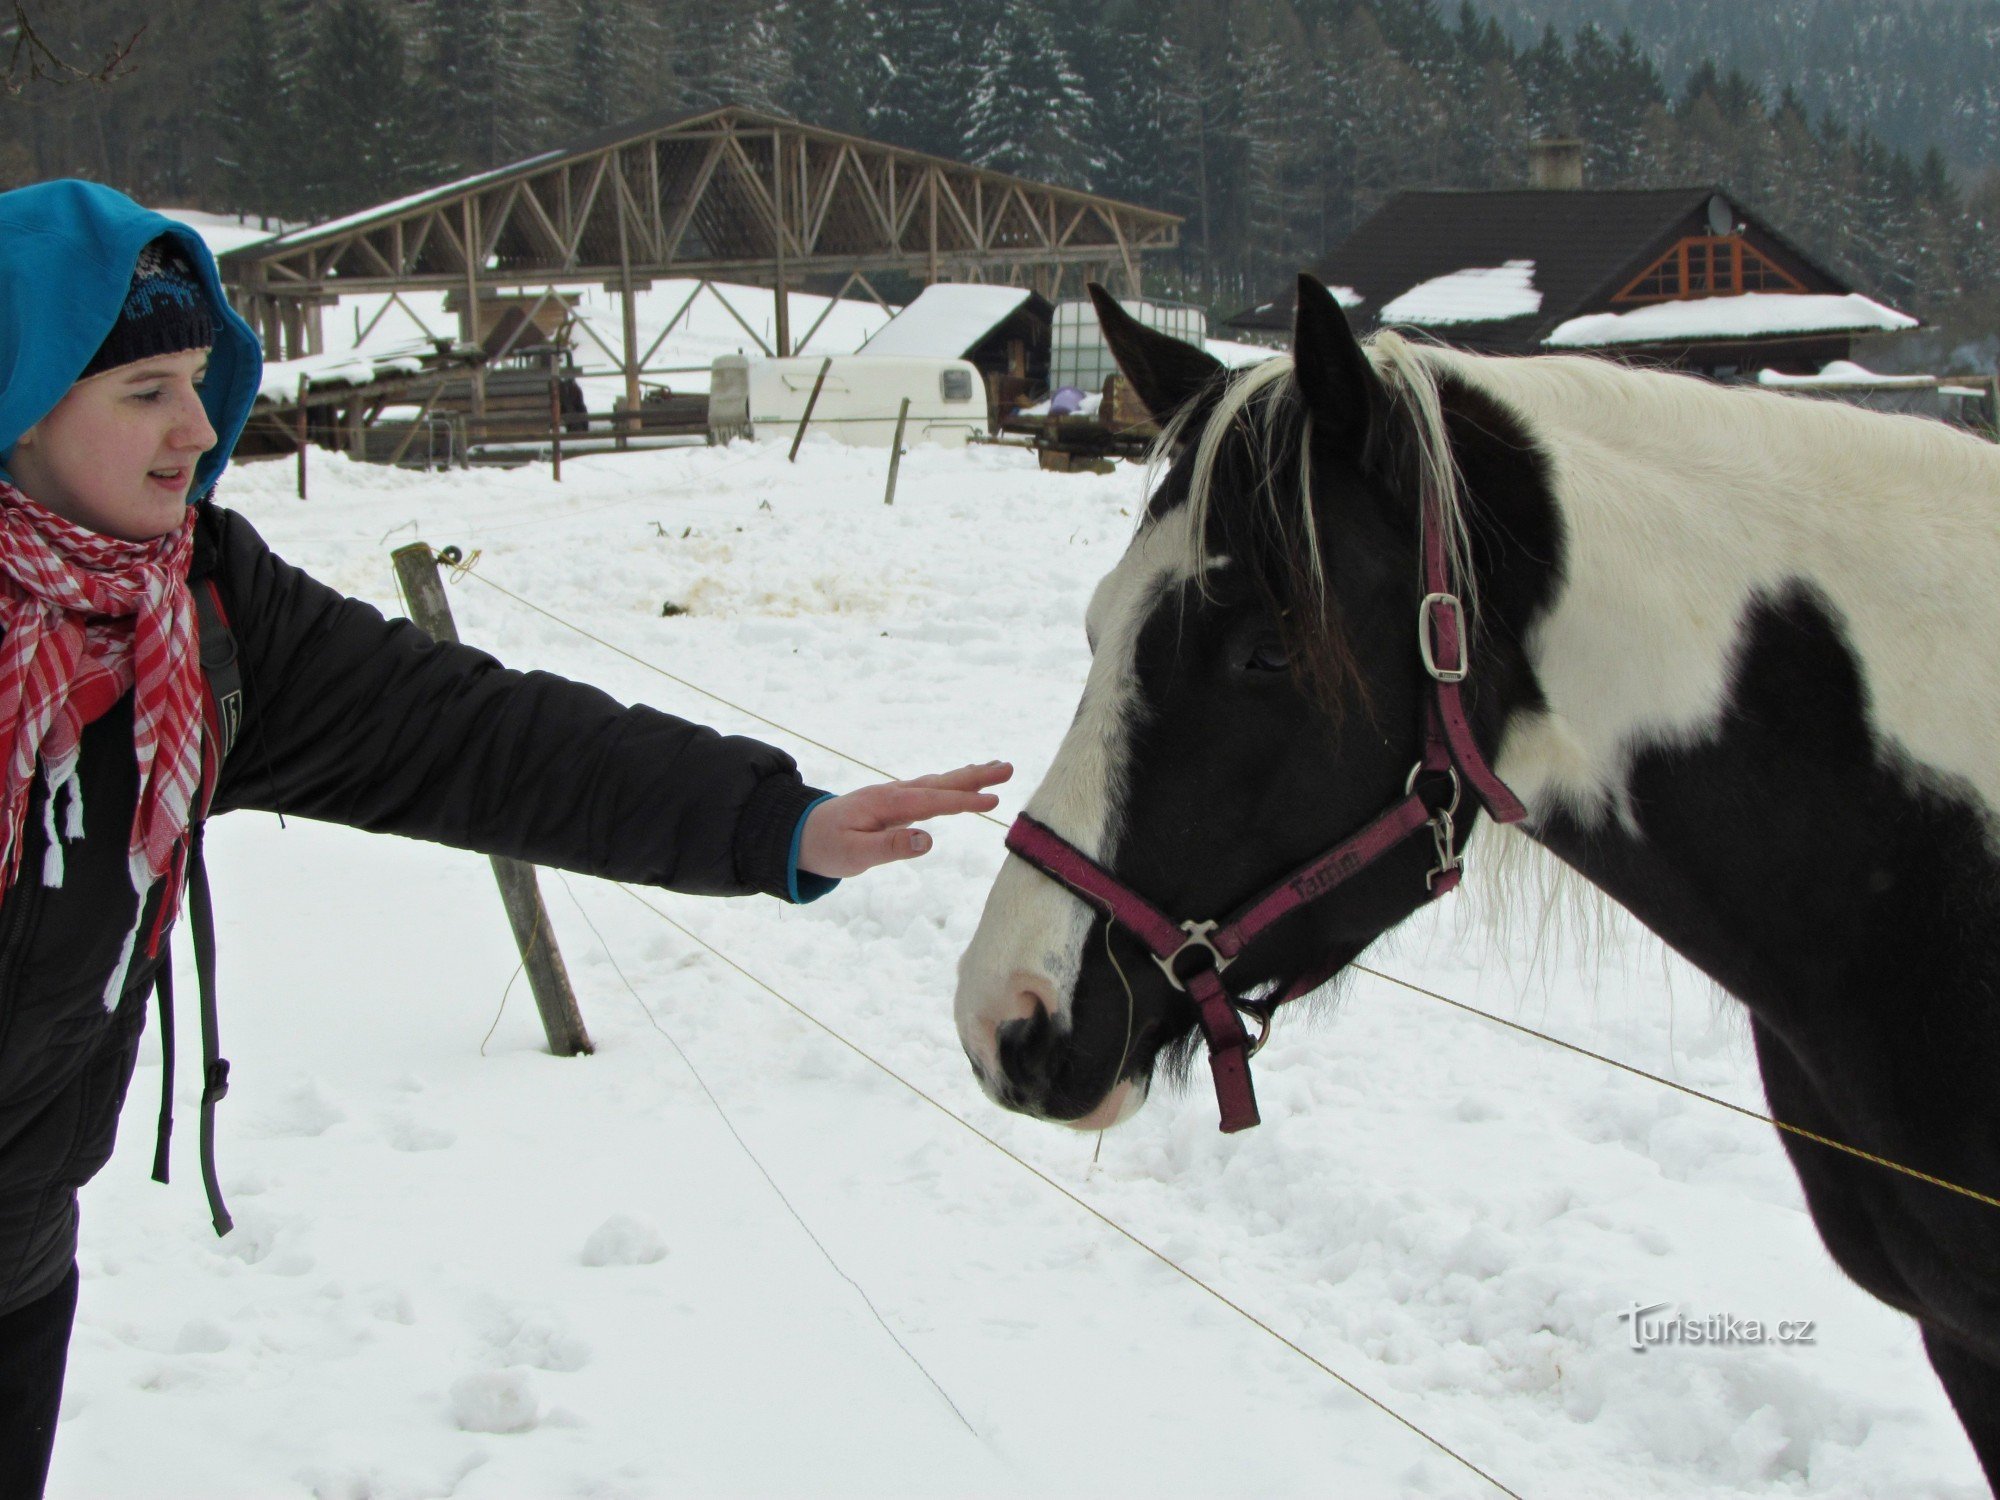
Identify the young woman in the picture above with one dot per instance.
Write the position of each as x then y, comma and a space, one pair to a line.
127, 378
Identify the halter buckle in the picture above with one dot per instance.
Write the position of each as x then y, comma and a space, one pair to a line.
1197, 939
1427, 637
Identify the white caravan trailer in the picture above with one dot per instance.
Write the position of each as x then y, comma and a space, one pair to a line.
861, 395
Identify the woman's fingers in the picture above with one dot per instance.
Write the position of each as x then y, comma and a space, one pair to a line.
966, 778
905, 802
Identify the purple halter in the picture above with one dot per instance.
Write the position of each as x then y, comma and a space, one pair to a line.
1195, 955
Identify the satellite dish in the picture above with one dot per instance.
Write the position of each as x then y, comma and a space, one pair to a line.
1721, 217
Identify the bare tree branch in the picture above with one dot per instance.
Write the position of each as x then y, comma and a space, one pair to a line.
31, 59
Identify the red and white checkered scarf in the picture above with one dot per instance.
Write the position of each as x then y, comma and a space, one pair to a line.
87, 618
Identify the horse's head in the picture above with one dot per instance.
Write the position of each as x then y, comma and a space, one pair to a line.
1255, 695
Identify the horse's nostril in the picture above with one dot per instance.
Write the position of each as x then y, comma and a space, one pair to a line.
1024, 1048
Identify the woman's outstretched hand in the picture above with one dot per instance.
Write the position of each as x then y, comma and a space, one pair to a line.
871, 827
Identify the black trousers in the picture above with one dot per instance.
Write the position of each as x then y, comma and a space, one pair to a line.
34, 1348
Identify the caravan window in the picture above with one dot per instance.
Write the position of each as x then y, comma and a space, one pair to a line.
955, 385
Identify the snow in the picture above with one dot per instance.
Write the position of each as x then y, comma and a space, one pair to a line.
1845, 375
1478, 294
464, 1267
1750, 315
1346, 296
946, 320
1240, 356
220, 232
280, 380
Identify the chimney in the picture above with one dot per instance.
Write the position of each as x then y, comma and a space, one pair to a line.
1555, 163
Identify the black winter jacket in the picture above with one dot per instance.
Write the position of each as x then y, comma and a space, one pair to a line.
356, 719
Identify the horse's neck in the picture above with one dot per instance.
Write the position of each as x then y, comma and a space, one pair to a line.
1685, 509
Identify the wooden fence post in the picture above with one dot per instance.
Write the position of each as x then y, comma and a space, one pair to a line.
896, 450
555, 414
304, 385
520, 893
811, 401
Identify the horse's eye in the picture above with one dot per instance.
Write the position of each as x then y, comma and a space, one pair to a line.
1267, 655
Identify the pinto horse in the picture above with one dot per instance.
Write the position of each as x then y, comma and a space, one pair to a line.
1733, 657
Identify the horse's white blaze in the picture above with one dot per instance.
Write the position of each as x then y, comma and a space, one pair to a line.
1031, 934
1683, 504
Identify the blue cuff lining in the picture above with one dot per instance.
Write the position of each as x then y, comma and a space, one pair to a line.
802, 885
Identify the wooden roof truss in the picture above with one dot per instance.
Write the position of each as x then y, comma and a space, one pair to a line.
728, 195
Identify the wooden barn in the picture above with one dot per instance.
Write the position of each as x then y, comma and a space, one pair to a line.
726, 195
1687, 278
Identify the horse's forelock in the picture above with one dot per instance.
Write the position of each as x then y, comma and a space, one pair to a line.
1261, 422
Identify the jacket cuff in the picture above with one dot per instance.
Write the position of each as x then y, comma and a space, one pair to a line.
767, 835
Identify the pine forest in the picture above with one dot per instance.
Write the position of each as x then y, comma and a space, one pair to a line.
1274, 126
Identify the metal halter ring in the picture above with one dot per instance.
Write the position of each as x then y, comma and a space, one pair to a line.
1197, 938
1451, 807
1263, 1014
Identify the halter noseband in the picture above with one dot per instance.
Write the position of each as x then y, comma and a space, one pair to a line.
1195, 955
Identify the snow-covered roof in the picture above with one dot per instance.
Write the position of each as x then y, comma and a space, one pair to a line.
1751, 315
414, 200
1477, 294
220, 232
1845, 375
1346, 296
1240, 356
280, 382
946, 320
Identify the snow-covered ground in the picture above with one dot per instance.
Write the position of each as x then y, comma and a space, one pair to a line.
464, 1267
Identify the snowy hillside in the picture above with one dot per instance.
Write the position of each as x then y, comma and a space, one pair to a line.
465, 1268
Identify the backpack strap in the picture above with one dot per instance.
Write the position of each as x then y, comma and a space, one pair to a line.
222, 714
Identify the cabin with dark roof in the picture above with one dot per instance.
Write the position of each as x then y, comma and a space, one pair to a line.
1682, 277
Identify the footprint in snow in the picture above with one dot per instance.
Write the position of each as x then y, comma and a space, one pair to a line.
407, 1134
624, 1241
304, 1110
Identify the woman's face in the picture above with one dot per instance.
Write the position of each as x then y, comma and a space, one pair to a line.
117, 454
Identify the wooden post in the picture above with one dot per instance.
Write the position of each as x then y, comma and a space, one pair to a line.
931, 182
555, 413
628, 312
303, 441
469, 220
416, 570
353, 421
896, 451
811, 401
782, 296
423, 416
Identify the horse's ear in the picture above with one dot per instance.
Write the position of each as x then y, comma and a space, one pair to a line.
1166, 373
1340, 386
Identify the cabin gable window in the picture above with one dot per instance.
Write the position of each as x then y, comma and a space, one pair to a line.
1708, 265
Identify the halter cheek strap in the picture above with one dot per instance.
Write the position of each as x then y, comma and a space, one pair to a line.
1195, 955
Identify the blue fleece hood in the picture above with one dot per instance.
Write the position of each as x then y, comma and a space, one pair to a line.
67, 251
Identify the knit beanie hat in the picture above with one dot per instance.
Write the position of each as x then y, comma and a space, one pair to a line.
166, 311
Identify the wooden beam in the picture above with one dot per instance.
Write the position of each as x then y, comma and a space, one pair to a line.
672, 323
580, 220
783, 297
703, 177
627, 312
470, 214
